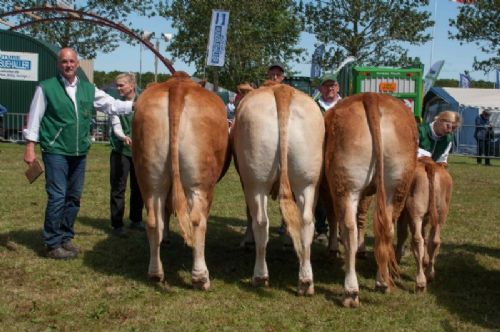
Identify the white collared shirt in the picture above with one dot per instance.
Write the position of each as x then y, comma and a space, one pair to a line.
327, 105
102, 103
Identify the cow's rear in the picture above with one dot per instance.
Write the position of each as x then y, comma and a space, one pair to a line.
180, 143
427, 205
278, 142
371, 146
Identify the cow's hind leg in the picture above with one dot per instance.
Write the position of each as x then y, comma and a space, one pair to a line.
433, 244
155, 207
418, 248
248, 240
305, 202
381, 283
257, 204
347, 219
402, 229
362, 219
199, 215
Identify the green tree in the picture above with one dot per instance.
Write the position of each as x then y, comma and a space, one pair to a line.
372, 31
260, 32
86, 38
479, 22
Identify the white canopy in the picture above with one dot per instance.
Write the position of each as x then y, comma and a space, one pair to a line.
488, 99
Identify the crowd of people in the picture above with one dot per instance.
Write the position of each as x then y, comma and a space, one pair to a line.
60, 117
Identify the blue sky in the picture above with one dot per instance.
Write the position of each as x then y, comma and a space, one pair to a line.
457, 57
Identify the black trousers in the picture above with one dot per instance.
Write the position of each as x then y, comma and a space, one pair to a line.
483, 148
120, 167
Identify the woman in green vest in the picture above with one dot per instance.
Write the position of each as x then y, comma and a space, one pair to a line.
121, 164
436, 138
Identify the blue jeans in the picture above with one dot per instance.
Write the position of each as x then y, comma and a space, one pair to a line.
64, 177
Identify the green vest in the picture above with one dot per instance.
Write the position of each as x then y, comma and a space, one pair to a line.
320, 107
62, 129
117, 144
426, 142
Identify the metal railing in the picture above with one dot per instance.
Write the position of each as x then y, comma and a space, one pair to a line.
12, 125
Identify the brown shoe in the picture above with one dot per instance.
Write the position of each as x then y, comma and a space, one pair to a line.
69, 246
60, 253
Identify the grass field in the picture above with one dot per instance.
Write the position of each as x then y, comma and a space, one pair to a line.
106, 287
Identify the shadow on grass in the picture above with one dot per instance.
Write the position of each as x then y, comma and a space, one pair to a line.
226, 261
31, 239
466, 287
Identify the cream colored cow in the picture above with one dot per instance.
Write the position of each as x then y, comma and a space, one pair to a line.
180, 144
371, 147
278, 138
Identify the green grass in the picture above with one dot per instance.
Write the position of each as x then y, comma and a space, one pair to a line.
106, 287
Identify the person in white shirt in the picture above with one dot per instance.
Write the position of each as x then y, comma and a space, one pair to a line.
329, 97
59, 119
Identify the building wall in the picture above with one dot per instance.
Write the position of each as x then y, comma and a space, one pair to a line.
16, 95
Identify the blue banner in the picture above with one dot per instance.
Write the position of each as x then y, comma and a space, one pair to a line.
217, 38
464, 81
316, 59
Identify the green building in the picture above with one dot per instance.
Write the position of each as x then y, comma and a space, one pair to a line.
24, 61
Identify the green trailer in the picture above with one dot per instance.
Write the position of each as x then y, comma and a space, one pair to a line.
403, 83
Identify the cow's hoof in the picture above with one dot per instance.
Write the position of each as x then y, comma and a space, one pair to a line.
351, 300
260, 281
201, 283
382, 287
361, 255
420, 288
306, 287
157, 278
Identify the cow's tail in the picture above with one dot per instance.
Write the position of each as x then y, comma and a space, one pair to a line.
289, 210
430, 170
179, 201
384, 252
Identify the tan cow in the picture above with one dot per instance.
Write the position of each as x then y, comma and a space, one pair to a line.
180, 143
427, 203
371, 147
278, 138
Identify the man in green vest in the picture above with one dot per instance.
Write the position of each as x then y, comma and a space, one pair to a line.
121, 164
328, 98
59, 119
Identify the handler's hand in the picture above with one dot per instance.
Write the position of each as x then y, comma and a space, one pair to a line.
29, 153
127, 140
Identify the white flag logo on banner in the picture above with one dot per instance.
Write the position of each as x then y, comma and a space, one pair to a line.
217, 38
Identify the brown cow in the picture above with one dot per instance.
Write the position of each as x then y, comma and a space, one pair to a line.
427, 203
180, 143
278, 138
371, 147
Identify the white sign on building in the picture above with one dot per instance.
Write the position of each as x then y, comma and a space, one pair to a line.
217, 38
18, 66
